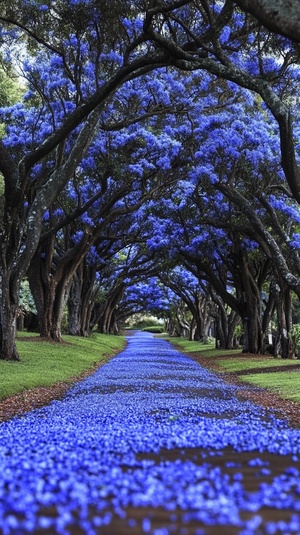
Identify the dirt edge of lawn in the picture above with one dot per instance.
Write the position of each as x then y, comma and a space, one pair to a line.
283, 408
35, 398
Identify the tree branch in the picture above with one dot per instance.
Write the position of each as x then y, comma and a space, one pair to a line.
279, 16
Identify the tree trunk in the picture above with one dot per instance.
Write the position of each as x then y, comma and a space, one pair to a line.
89, 292
197, 324
171, 328
43, 289
49, 295
8, 318
60, 301
225, 329
81, 301
49, 278
107, 321
193, 330
95, 315
251, 306
266, 320
284, 345
253, 334
225, 322
253, 339
74, 303
11, 269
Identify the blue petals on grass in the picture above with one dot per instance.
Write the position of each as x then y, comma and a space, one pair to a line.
85, 459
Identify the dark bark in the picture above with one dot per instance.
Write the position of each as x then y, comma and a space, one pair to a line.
50, 278
251, 304
201, 317
107, 323
11, 233
8, 318
172, 327
49, 295
283, 345
179, 317
263, 236
196, 303
74, 303
225, 319
225, 322
279, 16
253, 339
82, 299
247, 277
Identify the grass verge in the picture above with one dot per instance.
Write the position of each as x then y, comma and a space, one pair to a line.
277, 375
206, 350
46, 363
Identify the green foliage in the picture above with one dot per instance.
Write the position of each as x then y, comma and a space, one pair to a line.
296, 336
145, 323
238, 331
206, 348
154, 329
46, 363
2, 134
26, 302
10, 89
10, 93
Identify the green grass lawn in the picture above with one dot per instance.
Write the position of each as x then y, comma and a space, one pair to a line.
206, 350
285, 383
249, 363
46, 363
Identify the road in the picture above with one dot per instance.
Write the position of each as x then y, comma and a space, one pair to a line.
151, 443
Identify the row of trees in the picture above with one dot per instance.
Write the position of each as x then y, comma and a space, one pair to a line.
149, 159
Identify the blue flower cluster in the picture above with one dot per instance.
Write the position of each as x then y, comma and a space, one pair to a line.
105, 449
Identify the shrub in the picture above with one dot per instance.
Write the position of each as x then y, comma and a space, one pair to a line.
296, 336
154, 329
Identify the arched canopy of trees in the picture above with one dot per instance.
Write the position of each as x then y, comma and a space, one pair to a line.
150, 151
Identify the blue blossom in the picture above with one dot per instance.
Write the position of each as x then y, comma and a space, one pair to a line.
224, 36
292, 211
89, 458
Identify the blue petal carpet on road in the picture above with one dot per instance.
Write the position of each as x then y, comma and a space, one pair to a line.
104, 451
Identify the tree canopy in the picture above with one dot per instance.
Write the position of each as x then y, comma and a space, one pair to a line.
150, 154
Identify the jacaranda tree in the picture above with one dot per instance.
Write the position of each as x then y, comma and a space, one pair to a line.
74, 56
85, 70
220, 39
120, 171
210, 227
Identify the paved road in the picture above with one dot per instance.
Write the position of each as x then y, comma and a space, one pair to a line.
152, 443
